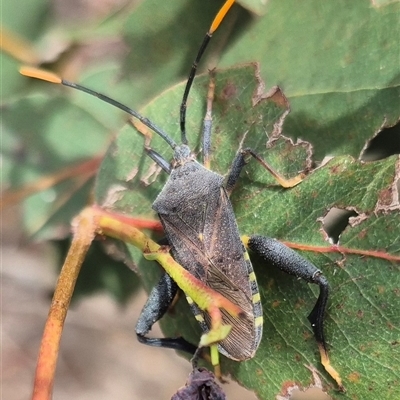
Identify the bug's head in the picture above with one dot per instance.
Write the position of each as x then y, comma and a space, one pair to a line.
182, 155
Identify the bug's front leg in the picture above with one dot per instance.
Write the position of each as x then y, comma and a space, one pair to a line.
280, 256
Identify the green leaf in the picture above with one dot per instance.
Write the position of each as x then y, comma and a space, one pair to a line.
338, 63
362, 323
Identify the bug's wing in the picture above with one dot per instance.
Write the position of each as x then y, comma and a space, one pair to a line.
242, 340
210, 247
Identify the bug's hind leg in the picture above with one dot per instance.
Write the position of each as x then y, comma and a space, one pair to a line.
156, 306
280, 256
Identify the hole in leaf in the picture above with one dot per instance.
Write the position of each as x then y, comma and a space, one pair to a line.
384, 144
335, 222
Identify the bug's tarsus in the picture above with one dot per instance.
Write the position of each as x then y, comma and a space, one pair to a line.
179, 343
316, 316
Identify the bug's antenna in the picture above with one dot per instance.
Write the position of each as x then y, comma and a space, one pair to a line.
214, 26
53, 78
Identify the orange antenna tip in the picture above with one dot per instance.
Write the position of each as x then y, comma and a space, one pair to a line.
221, 15
40, 74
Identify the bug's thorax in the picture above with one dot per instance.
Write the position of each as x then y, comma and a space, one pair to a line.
189, 187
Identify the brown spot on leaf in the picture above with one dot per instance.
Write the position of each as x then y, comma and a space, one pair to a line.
354, 377
362, 234
276, 303
270, 284
362, 348
277, 347
228, 91
385, 197
299, 303
336, 169
339, 306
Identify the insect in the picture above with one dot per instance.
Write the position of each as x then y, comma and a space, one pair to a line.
203, 237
